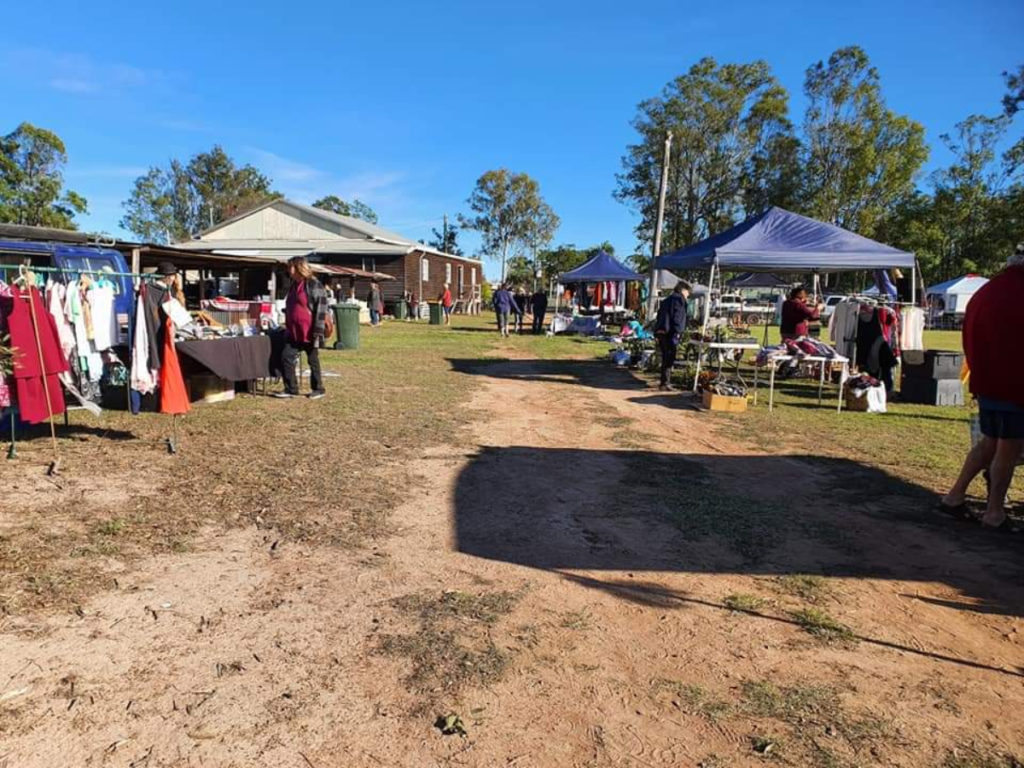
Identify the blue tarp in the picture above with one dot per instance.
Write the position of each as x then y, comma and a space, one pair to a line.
597, 269
778, 240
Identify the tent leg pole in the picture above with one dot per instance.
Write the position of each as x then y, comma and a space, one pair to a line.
913, 284
704, 324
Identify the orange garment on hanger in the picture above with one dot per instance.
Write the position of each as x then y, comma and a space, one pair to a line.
173, 396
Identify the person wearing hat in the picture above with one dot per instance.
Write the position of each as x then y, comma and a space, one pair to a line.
669, 327
994, 349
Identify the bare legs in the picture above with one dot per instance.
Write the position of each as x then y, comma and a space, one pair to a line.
977, 461
1000, 472
1000, 458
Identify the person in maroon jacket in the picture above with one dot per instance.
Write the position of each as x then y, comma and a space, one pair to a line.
994, 347
796, 315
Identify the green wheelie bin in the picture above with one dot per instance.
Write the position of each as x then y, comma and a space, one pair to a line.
436, 313
346, 323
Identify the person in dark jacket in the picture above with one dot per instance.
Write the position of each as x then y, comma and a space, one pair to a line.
305, 316
522, 304
994, 349
669, 327
373, 301
539, 304
504, 303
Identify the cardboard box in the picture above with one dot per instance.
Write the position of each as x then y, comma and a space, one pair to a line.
207, 388
714, 402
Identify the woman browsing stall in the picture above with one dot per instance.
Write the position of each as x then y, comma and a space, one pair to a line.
305, 317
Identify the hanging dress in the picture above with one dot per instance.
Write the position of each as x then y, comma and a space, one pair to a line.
28, 374
173, 396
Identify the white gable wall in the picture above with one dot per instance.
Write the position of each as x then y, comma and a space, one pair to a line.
282, 222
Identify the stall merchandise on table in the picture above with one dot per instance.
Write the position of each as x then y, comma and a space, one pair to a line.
82, 342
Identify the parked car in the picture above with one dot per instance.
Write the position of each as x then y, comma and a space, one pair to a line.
740, 310
830, 306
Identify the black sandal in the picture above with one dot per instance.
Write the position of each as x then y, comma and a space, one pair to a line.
958, 512
1008, 526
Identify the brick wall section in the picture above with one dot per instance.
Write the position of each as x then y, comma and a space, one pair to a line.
434, 285
406, 271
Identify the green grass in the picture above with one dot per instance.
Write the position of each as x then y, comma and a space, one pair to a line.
805, 586
822, 626
924, 445
742, 601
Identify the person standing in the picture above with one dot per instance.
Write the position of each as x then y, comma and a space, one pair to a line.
669, 327
446, 304
994, 348
539, 304
796, 315
521, 305
504, 303
373, 302
305, 316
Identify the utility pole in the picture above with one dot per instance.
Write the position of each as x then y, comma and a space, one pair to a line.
652, 294
444, 234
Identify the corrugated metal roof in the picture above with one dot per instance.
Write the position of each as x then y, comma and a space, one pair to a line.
377, 238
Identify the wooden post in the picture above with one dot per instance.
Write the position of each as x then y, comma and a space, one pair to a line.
136, 265
652, 285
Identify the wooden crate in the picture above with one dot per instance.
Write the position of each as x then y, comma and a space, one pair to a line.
714, 402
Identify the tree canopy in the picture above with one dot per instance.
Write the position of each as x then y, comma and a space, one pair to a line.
446, 240
357, 209
854, 162
732, 148
32, 190
509, 212
175, 202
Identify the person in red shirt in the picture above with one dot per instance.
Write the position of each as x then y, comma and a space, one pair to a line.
305, 317
796, 315
446, 304
994, 348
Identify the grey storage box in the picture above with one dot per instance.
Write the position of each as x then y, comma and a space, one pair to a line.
931, 391
933, 364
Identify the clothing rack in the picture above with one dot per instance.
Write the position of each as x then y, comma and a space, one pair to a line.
63, 271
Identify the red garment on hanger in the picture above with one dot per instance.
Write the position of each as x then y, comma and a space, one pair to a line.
173, 396
28, 375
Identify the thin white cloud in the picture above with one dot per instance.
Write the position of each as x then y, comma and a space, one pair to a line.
183, 124
283, 170
77, 73
303, 182
105, 171
72, 85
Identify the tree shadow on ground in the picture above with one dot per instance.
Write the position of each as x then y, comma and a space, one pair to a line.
573, 509
589, 373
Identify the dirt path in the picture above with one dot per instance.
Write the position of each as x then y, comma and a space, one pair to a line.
592, 579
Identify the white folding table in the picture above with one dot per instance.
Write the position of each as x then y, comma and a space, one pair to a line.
824, 363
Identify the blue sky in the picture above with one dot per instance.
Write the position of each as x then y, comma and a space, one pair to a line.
404, 105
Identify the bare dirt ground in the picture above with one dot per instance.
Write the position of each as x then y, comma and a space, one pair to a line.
591, 577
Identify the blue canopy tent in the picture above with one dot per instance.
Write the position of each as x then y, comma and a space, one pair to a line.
781, 241
599, 268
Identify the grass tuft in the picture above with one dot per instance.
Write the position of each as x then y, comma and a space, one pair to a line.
741, 601
805, 586
822, 626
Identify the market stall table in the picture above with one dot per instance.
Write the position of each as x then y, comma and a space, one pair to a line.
236, 358
823, 364
721, 347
